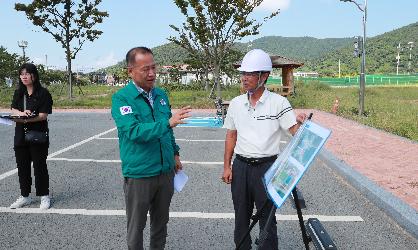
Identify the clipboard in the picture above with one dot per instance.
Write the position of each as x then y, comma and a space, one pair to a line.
12, 117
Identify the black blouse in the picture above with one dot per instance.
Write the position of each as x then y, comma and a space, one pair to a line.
39, 102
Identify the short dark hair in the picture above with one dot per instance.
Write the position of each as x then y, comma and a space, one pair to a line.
30, 68
130, 56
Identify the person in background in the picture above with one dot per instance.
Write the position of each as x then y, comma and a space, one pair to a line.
254, 123
148, 151
31, 100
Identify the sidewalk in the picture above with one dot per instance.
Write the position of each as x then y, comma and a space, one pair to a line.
388, 160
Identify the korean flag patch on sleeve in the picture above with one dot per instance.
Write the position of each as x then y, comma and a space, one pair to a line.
124, 110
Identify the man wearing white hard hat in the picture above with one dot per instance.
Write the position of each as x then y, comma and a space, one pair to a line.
255, 123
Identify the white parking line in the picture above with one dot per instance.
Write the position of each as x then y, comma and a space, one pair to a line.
14, 171
198, 215
118, 161
7, 174
84, 160
187, 140
80, 143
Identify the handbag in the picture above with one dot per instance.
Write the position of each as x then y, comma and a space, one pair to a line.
33, 136
36, 137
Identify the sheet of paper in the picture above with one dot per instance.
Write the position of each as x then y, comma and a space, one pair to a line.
180, 180
6, 121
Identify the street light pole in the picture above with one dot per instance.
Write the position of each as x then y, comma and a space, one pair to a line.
411, 45
398, 57
23, 45
363, 56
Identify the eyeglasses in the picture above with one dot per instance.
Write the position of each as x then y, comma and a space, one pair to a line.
250, 74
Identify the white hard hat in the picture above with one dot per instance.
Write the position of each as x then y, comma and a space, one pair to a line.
256, 60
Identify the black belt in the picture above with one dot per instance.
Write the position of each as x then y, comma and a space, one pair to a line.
256, 160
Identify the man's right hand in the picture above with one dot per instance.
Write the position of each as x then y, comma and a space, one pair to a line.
178, 117
227, 175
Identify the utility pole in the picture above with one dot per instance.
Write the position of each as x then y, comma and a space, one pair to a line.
23, 45
411, 45
398, 57
363, 55
339, 68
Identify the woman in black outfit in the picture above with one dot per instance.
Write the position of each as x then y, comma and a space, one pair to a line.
31, 99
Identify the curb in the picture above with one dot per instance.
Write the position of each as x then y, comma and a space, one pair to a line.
402, 213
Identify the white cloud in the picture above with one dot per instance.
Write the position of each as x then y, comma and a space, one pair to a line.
273, 5
105, 61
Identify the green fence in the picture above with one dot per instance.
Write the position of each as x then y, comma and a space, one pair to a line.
371, 80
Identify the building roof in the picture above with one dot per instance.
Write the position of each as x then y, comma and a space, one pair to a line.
279, 62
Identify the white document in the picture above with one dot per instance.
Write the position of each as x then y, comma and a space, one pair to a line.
6, 121
180, 180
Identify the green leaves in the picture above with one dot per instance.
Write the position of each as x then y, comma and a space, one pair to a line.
9, 65
211, 28
70, 24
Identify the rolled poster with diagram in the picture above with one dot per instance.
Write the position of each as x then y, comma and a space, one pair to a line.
282, 177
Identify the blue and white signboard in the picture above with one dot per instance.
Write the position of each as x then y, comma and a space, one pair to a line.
292, 163
199, 122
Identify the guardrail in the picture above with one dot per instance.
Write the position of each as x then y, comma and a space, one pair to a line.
404, 80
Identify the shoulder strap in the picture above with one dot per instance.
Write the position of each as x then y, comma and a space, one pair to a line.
24, 101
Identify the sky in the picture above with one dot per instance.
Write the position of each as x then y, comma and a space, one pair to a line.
134, 23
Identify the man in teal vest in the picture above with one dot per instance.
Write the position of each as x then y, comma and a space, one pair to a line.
149, 153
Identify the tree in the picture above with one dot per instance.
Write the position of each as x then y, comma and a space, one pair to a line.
8, 65
69, 22
212, 27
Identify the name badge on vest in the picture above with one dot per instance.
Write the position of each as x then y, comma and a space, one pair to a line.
163, 102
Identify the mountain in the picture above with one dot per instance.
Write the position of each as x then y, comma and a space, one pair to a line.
298, 48
381, 52
322, 55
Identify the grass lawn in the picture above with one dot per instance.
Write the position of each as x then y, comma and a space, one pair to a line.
393, 109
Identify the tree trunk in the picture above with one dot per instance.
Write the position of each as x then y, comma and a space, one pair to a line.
217, 81
68, 48
206, 79
70, 86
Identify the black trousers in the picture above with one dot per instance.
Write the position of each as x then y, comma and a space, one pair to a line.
36, 154
248, 189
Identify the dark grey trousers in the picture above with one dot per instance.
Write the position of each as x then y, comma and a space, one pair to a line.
143, 195
247, 188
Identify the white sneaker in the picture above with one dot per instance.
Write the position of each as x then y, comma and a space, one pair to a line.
21, 202
45, 202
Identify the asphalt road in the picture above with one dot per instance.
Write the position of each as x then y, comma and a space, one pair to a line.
88, 204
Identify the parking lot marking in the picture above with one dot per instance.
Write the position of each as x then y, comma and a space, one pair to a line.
84, 160
79, 143
7, 174
118, 161
197, 215
187, 140
14, 171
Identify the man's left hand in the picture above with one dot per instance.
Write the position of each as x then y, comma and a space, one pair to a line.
179, 166
300, 118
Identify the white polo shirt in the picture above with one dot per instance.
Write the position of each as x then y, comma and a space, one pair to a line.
259, 129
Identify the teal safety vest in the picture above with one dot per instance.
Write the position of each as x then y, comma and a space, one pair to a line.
146, 141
